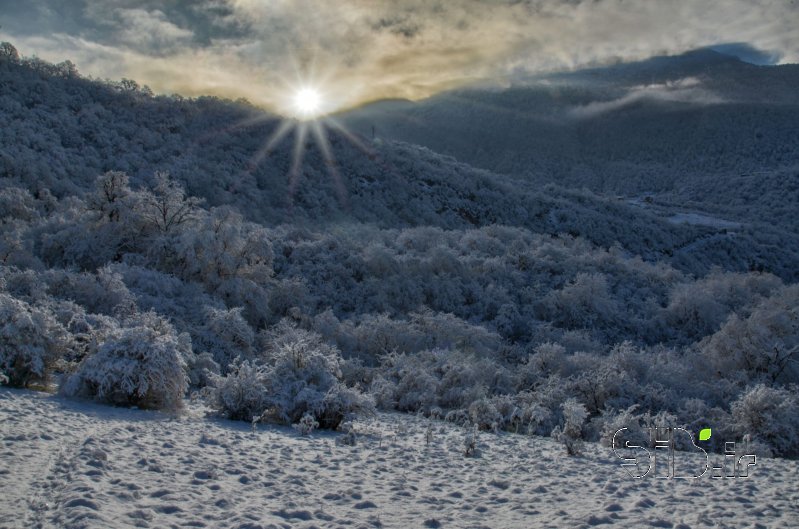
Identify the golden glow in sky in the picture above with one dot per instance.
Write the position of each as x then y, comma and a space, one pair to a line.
377, 48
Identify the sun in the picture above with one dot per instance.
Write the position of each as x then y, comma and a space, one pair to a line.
306, 108
307, 102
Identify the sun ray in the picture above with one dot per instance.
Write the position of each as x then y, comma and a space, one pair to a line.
296, 159
330, 163
280, 132
241, 124
349, 135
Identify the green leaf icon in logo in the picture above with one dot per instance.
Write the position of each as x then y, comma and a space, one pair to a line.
704, 434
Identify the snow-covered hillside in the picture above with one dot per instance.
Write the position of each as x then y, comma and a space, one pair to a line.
71, 465
207, 260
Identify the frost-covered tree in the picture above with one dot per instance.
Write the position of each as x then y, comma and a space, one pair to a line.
110, 201
224, 246
8, 52
100, 230
166, 208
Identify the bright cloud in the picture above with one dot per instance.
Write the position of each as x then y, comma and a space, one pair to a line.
369, 49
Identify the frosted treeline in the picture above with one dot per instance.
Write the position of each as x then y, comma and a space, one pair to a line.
145, 259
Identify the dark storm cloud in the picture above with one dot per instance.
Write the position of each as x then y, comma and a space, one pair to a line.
359, 50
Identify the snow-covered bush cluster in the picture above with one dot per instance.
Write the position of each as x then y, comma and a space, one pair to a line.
140, 259
31, 342
297, 378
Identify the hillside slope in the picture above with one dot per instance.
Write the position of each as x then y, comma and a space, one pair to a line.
63, 130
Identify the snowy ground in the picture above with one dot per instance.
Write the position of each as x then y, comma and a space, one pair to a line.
72, 464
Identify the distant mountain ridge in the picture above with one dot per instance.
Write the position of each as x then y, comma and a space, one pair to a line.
662, 125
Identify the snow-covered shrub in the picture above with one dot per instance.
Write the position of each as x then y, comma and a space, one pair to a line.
285, 295
299, 374
183, 302
769, 415
342, 403
303, 376
101, 293
354, 373
374, 335
459, 417
547, 358
405, 384
439, 378
699, 308
485, 415
31, 342
611, 421
532, 415
224, 246
571, 432
470, 441
763, 346
227, 335
87, 330
498, 412
696, 414
241, 394
599, 382
200, 368
306, 424
350, 437
142, 364
583, 303
383, 391
510, 412
415, 390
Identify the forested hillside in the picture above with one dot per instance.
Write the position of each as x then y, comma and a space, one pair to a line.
149, 251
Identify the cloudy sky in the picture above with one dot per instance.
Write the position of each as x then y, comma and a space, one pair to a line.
360, 50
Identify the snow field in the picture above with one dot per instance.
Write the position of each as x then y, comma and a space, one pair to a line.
73, 464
